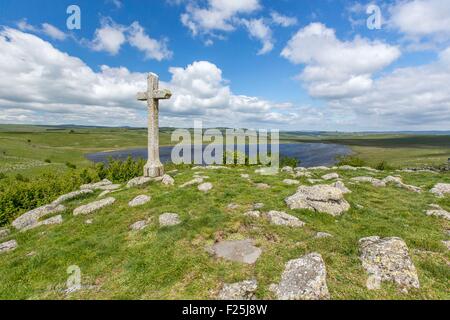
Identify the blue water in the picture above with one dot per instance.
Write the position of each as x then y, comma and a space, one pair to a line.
309, 154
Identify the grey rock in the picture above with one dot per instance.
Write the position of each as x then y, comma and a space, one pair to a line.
258, 205
245, 176
88, 221
437, 211
313, 181
139, 225
205, 187
167, 180
287, 169
50, 221
253, 214
138, 181
72, 195
341, 186
320, 235
210, 168
283, 219
233, 206
96, 185
262, 186
346, 167
244, 290
267, 171
387, 259
290, 182
318, 168
330, 176
399, 183
441, 189
242, 251
446, 243
169, 219
4, 232
299, 174
375, 182
8, 246
94, 206
32, 217
321, 198
303, 279
139, 200
197, 180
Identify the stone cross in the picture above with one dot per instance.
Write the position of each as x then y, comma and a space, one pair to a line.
154, 167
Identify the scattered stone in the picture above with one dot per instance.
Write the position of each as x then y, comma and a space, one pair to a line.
245, 176
236, 250
93, 206
72, 195
31, 254
32, 217
139, 200
96, 185
320, 235
437, 211
330, 176
88, 221
167, 180
258, 205
359, 206
233, 206
253, 214
375, 182
8, 246
287, 169
197, 180
283, 219
205, 187
441, 189
341, 186
299, 174
4, 232
346, 167
291, 182
321, 198
303, 279
139, 225
387, 259
139, 181
297, 169
267, 171
244, 290
262, 186
312, 181
446, 243
53, 220
210, 167
399, 183
169, 219
318, 168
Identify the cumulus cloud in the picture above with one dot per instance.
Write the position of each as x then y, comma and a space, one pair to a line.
153, 49
283, 20
46, 28
109, 37
335, 68
258, 29
30, 94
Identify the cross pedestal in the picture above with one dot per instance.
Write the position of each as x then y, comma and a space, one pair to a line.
154, 168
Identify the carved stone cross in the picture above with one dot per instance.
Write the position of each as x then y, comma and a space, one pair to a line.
154, 167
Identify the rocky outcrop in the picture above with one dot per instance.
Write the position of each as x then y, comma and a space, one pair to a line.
303, 279
94, 206
167, 180
341, 186
321, 198
330, 176
283, 219
387, 259
197, 180
244, 290
31, 218
169, 219
8, 246
50, 221
399, 183
291, 182
139, 200
139, 181
72, 195
441, 189
242, 251
139, 225
205, 187
437, 211
4, 232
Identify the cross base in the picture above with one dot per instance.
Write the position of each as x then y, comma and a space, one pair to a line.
152, 170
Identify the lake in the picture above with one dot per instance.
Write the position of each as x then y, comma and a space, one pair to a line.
309, 154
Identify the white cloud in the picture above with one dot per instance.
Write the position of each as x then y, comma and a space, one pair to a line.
109, 37
334, 68
259, 30
116, 3
53, 31
152, 48
30, 94
283, 20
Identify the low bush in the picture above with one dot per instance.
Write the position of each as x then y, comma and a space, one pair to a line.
353, 161
120, 171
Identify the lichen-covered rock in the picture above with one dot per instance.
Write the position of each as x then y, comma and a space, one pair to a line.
236, 250
32, 217
291, 182
320, 235
205, 187
437, 211
197, 180
96, 185
4, 232
244, 290
72, 195
253, 214
441, 189
375, 182
50, 221
303, 279
330, 176
94, 206
399, 183
321, 198
8, 246
387, 259
139, 200
139, 225
167, 180
138, 181
283, 219
341, 186
169, 219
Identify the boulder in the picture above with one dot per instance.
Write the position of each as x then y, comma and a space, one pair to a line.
139, 200
441, 189
303, 279
330, 176
242, 251
53, 220
341, 186
287, 169
93, 206
138, 181
321, 198
197, 180
299, 174
283, 219
32, 217
399, 183
96, 185
4, 232
437, 211
205, 187
267, 171
375, 182
72, 195
139, 225
8, 246
169, 219
253, 214
244, 290
387, 259
167, 180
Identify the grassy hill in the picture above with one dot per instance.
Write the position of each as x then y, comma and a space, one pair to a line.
170, 263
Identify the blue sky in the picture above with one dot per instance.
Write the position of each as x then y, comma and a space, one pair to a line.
287, 64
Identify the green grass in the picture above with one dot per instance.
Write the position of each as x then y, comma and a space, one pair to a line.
171, 263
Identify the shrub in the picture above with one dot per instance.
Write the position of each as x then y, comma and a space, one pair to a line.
2, 176
21, 178
289, 162
353, 161
120, 171
383, 165
70, 165
48, 161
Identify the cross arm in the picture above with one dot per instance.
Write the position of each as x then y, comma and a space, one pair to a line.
156, 94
